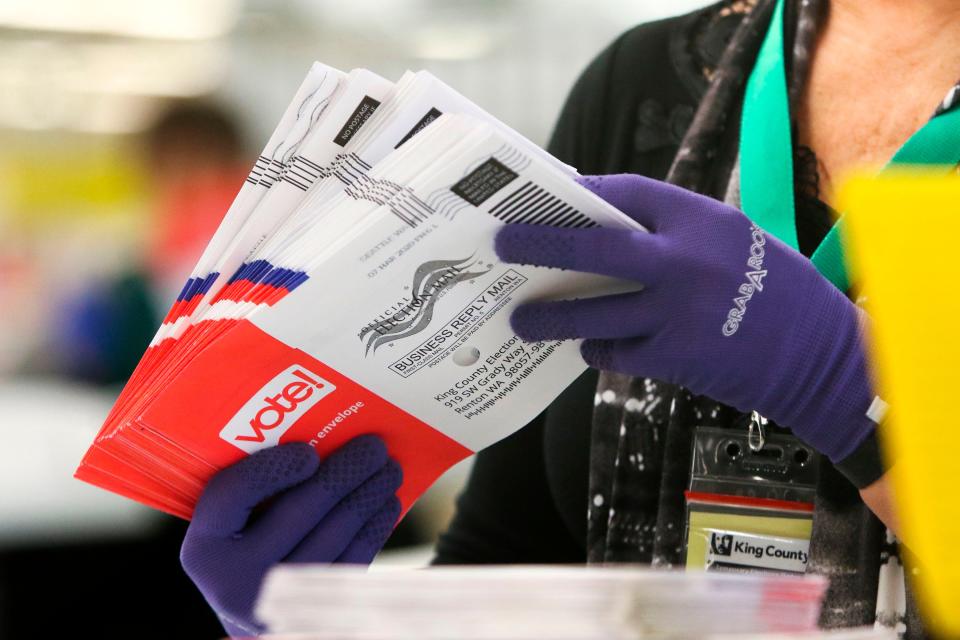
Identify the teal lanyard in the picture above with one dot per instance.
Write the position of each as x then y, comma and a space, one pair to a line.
766, 154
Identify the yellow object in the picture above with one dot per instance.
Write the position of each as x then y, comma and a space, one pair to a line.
93, 180
903, 240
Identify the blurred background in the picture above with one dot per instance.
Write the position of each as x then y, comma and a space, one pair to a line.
125, 130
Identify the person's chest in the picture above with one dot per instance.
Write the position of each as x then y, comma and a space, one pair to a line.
855, 112
849, 135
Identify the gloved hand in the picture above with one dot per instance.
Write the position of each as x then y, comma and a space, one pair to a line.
726, 310
339, 510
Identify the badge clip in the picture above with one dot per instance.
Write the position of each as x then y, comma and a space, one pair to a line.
756, 431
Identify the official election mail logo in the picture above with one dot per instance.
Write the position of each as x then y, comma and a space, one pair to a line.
276, 407
413, 313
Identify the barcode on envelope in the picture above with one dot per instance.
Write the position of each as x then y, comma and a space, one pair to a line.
302, 172
531, 204
258, 168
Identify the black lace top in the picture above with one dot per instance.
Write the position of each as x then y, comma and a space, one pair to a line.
814, 216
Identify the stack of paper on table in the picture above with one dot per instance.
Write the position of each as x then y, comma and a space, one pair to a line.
327, 602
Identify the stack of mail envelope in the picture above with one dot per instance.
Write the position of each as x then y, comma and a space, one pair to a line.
352, 287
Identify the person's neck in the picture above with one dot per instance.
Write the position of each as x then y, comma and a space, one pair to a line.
878, 70
911, 30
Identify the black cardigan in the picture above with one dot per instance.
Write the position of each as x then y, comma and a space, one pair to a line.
526, 499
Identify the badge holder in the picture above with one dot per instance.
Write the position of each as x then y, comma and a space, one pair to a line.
750, 501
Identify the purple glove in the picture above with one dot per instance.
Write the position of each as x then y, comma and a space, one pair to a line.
726, 311
340, 510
